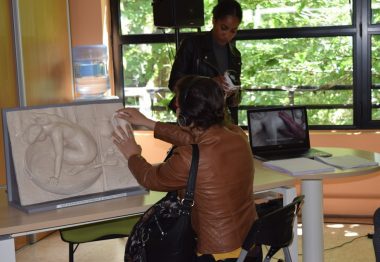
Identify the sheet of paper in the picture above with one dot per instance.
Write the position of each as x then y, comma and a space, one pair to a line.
299, 166
347, 161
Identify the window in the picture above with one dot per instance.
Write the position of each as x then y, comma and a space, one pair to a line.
323, 54
300, 71
375, 60
295, 13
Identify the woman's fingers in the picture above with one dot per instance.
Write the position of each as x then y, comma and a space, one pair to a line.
121, 133
132, 115
125, 141
129, 133
116, 139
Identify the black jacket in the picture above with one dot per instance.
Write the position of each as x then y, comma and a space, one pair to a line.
196, 56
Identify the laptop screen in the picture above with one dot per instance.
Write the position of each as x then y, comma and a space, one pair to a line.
278, 128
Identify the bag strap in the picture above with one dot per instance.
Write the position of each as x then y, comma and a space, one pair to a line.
169, 153
188, 200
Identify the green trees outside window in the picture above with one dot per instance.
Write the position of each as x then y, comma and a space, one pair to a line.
294, 52
303, 71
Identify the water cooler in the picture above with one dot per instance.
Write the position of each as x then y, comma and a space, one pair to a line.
91, 78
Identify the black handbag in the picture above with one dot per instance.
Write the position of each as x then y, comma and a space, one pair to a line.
164, 232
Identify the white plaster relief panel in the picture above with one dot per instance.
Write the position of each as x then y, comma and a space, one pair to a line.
67, 151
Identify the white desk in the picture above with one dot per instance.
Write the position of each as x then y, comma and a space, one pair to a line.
14, 222
312, 210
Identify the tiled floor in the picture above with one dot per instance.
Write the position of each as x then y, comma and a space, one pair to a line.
343, 243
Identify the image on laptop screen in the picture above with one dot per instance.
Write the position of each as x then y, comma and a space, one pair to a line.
278, 127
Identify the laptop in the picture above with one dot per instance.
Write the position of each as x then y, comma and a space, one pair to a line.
280, 133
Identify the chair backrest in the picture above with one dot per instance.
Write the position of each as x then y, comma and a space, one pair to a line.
275, 228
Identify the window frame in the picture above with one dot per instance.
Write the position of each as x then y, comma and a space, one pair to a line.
361, 31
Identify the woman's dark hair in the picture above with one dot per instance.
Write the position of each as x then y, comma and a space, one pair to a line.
201, 101
227, 7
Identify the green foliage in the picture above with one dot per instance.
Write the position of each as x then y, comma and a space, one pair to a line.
295, 13
136, 16
319, 62
375, 6
305, 71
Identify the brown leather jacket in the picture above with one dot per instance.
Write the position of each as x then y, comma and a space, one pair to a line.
224, 207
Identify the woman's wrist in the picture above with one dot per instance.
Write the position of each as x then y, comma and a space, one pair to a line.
150, 124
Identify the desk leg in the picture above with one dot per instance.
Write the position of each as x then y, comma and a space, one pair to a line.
312, 221
7, 249
288, 194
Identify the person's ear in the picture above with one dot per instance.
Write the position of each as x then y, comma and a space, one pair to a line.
183, 120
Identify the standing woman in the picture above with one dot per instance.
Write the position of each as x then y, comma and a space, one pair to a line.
214, 55
224, 209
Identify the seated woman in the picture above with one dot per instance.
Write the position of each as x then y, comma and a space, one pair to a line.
224, 207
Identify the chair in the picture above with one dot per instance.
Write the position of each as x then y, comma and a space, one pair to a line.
94, 232
274, 229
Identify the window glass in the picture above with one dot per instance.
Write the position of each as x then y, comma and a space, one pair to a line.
375, 11
146, 70
295, 13
375, 71
312, 71
137, 17
302, 71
